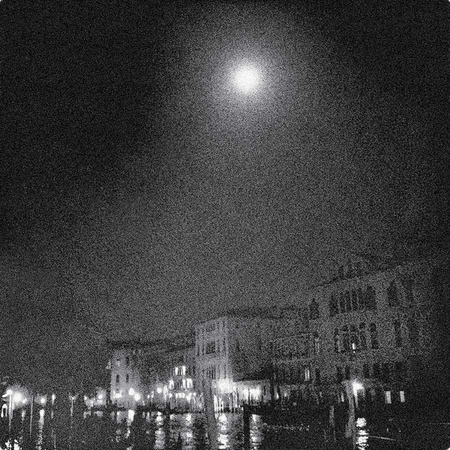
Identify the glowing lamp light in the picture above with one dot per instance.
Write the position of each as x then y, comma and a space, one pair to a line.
43, 401
247, 79
17, 397
100, 396
137, 397
357, 386
24, 400
9, 392
131, 392
159, 390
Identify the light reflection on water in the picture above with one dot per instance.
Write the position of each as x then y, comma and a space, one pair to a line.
163, 432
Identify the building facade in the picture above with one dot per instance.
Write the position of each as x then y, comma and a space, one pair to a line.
371, 324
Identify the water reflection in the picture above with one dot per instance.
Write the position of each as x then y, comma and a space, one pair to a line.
156, 431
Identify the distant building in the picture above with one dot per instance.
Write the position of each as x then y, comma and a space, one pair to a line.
233, 352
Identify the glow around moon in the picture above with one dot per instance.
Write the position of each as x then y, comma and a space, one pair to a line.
247, 79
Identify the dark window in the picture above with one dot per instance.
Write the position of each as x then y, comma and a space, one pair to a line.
400, 370
347, 372
127, 361
370, 299
392, 295
339, 376
314, 310
316, 343
376, 370
408, 284
337, 344
386, 372
341, 303
398, 333
346, 338
361, 302
374, 336
333, 306
354, 300
366, 370
362, 336
127, 379
341, 272
413, 332
117, 378
354, 338
238, 347
348, 304
210, 347
317, 376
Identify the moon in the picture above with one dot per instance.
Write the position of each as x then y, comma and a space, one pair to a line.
247, 79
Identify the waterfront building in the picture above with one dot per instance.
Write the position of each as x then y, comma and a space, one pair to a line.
372, 323
232, 352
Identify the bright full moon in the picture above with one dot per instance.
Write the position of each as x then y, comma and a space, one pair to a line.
247, 79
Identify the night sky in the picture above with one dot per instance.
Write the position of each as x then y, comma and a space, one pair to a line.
142, 192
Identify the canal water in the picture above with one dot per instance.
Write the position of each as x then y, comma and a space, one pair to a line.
128, 430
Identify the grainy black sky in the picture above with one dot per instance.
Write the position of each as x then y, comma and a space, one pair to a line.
141, 190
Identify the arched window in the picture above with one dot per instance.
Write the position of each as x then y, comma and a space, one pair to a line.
316, 339
333, 305
370, 298
314, 310
392, 295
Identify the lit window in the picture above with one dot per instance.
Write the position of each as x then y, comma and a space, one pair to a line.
387, 397
307, 373
402, 396
183, 370
118, 362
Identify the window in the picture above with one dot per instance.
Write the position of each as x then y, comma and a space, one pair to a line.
366, 370
339, 376
354, 300
198, 350
374, 336
392, 295
341, 303
224, 345
224, 371
127, 361
117, 379
118, 362
370, 299
362, 336
408, 284
354, 338
127, 379
376, 370
316, 343
348, 304
413, 332
386, 372
317, 376
337, 344
341, 272
361, 302
307, 373
347, 372
346, 338
314, 310
402, 396
397, 333
333, 306
387, 397
238, 347
400, 370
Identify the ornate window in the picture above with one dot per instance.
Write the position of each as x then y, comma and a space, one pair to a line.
314, 310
